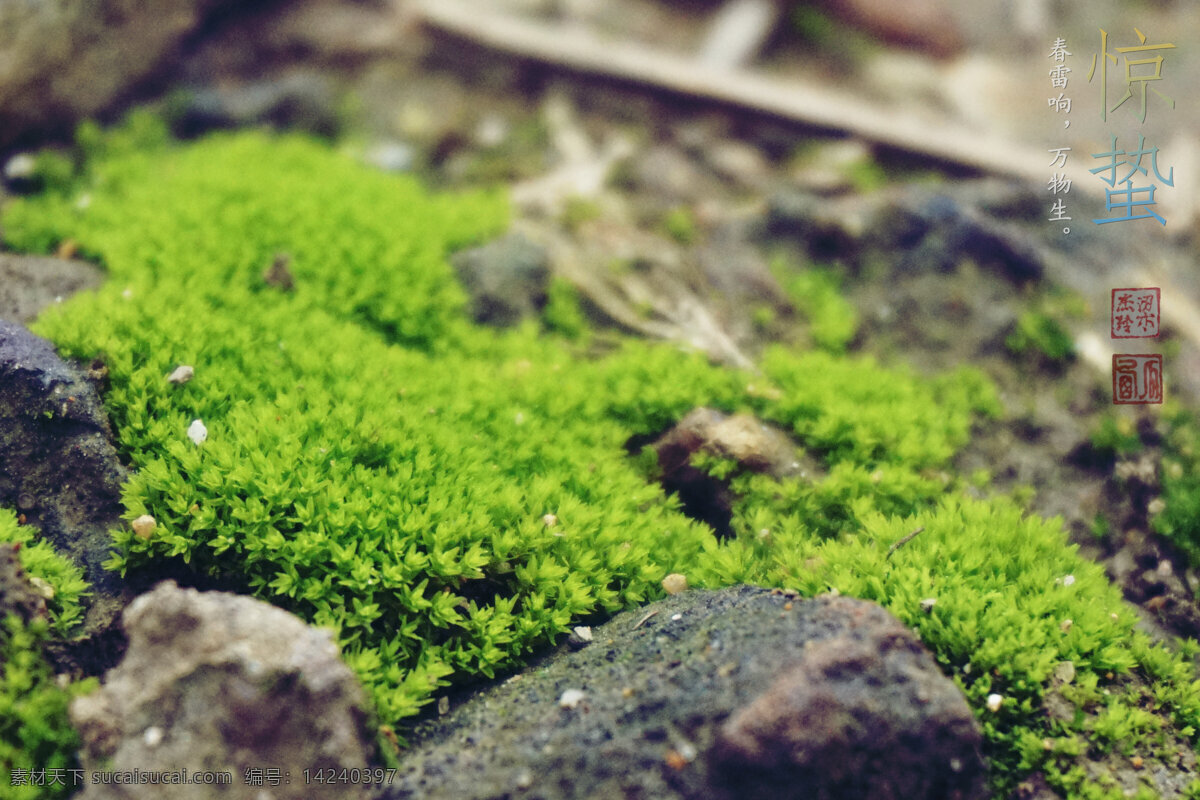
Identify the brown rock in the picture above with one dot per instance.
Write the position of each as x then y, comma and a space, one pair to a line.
863, 714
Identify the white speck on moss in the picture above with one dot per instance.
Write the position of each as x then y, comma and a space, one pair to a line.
181, 375
197, 432
674, 583
571, 698
1068, 580
143, 526
994, 701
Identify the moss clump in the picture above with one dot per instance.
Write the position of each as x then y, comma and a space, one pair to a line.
816, 293
37, 742
380, 466
1180, 516
1039, 331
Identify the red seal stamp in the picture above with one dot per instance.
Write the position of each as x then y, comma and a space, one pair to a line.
1135, 313
1137, 379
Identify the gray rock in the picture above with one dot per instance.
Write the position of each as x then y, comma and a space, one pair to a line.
673, 700
58, 465
65, 61
30, 283
507, 279
220, 682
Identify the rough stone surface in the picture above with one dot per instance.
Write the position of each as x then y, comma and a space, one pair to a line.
30, 283
17, 594
750, 442
869, 697
220, 682
58, 466
674, 695
506, 279
65, 61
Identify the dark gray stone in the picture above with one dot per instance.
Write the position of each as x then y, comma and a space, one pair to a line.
58, 465
674, 695
507, 279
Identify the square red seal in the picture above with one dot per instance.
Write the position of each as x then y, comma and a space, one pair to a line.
1137, 379
1135, 313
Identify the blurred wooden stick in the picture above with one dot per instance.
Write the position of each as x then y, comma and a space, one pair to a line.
794, 100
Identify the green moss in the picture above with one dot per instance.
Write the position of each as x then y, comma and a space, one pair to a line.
1180, 477
579, 210
816, 293
680, 225
37, 742
1115, 436
563, 313
378, 465
1039, 330
1039, 333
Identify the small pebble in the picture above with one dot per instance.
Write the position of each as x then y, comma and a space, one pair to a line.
994, 701
197, 432
181, 374
581, 636
676, 617
1068, 580
674, 583
1065, 625
153, 736
549, 520
143, 526
927, 604
42, 587
571, 698
20, 167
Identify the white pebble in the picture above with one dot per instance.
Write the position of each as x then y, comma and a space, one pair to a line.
197, 432
549, 520
153, 736
1067, 581
143, 526
42, 587
571, 698
994, 701
674, 583
182, 374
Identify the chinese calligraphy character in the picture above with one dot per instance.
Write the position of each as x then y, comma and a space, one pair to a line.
1059, 182
1130, 192
1058, 51
1059, 103
1130, 76
1060, 156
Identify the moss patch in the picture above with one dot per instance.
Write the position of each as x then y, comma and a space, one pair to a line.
378, 465
37, 742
